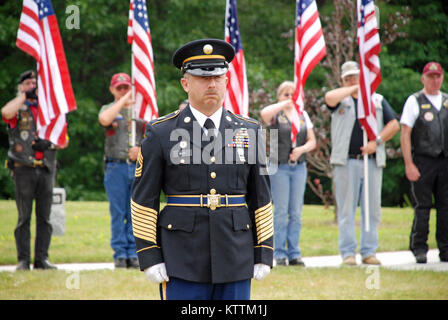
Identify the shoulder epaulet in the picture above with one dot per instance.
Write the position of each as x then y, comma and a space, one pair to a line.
244, 118
165, 118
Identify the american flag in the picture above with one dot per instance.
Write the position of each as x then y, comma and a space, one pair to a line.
309, 50
369, 65
237, 95
139, 36
39, 36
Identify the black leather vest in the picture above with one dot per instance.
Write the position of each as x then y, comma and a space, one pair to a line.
21, 138
283, 125
430, 132
118, 135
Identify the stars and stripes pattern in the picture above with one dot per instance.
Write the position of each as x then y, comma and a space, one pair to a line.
38, 35
237, 95
309, 50
369, 65
139, 36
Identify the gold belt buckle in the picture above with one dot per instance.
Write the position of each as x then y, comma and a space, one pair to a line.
38, 163
213, 201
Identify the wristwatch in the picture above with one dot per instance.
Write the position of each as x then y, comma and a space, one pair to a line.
379, 140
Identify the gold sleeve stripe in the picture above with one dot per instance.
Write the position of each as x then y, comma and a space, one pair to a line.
138, 206
266, 236
144, 219
138, 169
264, 215
148, 229
141, 223
143, 213
147, 234
264, 225
144, 237
264, 207
264, 221
144, 222
147, 248
264, 246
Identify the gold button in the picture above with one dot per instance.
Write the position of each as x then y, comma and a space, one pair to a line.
212, 159
170, 226
213, 175
212, 191
247, 226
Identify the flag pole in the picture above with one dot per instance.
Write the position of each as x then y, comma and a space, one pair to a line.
133, 119
366, 185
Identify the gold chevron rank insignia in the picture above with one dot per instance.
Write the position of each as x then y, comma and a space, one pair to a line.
138, 169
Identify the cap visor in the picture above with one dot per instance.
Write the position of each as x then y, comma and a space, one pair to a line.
119, 83
349, 73
207, 72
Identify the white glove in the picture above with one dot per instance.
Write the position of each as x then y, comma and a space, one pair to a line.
261, 271
157, 273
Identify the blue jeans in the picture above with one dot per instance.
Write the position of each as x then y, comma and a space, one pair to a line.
349, 190
118, 181
288, 189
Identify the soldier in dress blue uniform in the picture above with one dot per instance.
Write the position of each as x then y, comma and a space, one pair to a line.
216, 231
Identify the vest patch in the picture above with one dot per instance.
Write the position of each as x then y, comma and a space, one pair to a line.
429, 116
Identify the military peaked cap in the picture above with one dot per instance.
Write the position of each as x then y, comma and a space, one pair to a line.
204, 58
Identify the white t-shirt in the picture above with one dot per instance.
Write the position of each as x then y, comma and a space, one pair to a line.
411, 108
309, 124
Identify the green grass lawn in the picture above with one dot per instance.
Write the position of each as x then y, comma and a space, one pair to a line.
87, 240
87, 233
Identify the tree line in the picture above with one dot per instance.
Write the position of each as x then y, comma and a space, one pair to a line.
412, 33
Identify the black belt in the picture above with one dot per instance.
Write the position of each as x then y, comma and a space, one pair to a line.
360, 156
35, 164
113, 160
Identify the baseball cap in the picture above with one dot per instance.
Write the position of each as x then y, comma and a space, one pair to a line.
119, 79
432, 67
349, 68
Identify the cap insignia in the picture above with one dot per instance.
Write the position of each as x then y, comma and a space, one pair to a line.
207, 49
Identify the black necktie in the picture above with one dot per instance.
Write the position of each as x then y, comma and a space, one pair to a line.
210, 126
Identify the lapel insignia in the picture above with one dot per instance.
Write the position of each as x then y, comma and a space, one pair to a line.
445, 103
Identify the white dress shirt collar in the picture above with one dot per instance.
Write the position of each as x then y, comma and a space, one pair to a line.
200, 117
